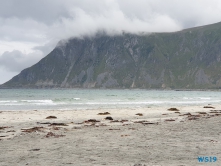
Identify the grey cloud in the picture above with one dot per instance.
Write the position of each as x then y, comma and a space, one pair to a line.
114, 16
16, 61
47, 48
45, 11
185, 14
112, 21
39, 21
22, 30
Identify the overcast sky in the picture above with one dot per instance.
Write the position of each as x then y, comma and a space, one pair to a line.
30, 29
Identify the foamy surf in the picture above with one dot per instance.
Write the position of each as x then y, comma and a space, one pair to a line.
72, 99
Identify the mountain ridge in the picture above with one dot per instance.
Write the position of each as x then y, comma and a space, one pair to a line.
187, 59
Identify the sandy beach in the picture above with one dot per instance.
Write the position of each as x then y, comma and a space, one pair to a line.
158, 136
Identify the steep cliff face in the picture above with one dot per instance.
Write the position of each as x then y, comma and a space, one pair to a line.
187, 59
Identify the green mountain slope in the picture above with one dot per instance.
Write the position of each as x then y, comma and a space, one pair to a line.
186, 59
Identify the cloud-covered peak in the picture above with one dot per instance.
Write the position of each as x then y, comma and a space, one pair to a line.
35, 24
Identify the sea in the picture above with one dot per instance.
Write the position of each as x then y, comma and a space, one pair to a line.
76, 99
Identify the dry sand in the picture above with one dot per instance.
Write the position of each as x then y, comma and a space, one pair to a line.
158, 137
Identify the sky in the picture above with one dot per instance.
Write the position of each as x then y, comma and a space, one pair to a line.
30, 29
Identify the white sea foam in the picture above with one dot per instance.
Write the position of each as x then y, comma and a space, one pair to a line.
38, 101
26, 102
8, 101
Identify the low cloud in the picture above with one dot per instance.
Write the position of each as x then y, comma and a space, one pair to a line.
43, 21
15, 61
112, 22
46, 48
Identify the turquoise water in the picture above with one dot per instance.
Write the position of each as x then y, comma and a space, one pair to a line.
72, 99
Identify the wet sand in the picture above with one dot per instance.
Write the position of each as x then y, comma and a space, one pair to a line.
135, 136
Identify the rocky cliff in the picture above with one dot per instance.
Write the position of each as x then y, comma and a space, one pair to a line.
186, 59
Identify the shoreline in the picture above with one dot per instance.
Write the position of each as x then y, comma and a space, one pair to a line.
155, 136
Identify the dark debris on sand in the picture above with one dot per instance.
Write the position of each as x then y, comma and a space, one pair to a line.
91, 120
209, 107
58, 124
4, 127
34, 129
105, 113
50, 134
139, 114
173, 109
108, 118
51, 117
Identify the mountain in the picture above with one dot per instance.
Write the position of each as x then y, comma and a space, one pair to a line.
188, 59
